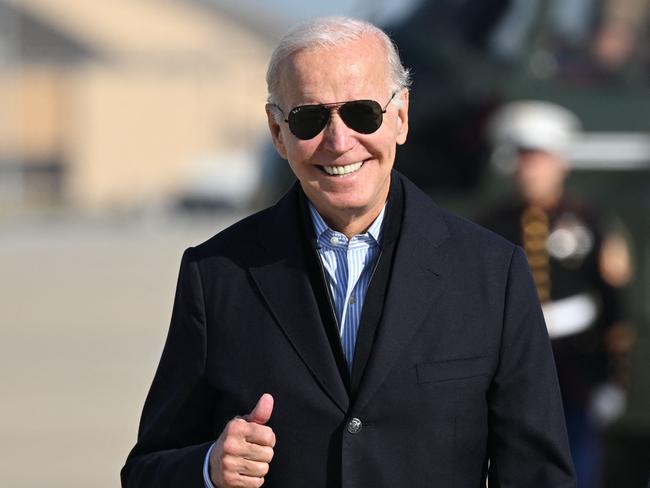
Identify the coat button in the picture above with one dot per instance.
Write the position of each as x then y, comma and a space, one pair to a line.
354, 426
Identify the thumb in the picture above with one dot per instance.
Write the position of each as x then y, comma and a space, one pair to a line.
262, 411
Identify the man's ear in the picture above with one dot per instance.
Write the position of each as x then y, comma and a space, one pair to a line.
403, 117
276, 130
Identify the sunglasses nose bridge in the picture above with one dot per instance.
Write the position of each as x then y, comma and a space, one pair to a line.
338, 136
334, 121
332, 112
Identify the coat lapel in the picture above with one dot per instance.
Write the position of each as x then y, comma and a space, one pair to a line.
284, 284
417, 279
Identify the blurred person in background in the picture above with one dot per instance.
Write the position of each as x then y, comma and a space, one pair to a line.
578, 264
376, 339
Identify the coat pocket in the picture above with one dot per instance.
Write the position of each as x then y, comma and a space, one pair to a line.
454, 369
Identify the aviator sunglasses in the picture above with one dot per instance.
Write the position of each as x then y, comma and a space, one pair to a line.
363, 116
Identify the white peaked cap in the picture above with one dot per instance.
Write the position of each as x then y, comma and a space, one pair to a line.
537, 125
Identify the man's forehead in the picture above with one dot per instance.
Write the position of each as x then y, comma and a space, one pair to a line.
358, 65
364, 46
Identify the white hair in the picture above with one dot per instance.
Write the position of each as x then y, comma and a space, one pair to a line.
330, 32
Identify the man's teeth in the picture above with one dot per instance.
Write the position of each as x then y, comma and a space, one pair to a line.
342, 170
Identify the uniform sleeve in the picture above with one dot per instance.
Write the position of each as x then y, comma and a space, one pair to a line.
527, 439
176, 428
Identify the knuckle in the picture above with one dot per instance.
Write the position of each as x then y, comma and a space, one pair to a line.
229, 445
229, 478
235, 426
228, 464
268, 436
229, 430
266, 454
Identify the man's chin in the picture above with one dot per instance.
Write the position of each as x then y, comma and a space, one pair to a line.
344, 205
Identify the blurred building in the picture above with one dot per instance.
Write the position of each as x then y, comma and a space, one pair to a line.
109, 104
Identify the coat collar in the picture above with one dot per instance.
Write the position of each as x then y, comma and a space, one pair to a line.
283, 280
416, 280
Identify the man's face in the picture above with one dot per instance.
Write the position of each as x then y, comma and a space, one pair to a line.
540, 177
356, 70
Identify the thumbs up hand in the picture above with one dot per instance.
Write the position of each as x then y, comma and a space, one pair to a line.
241, 456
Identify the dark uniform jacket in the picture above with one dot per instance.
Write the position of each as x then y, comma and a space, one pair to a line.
573, 245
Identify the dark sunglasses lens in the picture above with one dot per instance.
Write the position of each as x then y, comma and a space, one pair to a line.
364, 116
307, 121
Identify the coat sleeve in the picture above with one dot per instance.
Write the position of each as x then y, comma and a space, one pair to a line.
176, 428
527, 438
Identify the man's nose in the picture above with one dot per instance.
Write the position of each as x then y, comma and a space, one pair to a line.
338, 137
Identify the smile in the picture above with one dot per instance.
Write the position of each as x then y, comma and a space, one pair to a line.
342, 170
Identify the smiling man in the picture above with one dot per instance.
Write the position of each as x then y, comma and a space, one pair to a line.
344, 173
354, 334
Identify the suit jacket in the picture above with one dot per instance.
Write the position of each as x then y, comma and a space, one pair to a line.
460, 379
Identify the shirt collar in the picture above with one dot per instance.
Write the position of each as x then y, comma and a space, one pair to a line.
321, 229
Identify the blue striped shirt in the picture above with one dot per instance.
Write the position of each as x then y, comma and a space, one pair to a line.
348, 268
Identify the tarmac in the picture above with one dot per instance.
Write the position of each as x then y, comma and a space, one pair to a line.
84, 311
